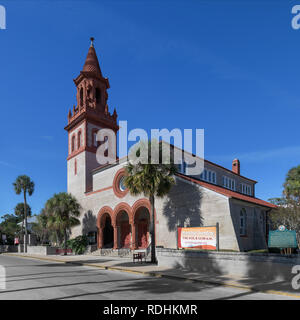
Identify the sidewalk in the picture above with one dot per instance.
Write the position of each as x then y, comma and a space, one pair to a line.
148, 269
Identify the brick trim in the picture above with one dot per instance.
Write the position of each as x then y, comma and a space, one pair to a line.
97, 191
123, 206
106, 210
119, 193
141, 203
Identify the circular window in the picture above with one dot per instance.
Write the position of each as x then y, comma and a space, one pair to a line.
118, 185
121, 184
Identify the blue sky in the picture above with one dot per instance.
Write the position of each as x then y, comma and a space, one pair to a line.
230, 68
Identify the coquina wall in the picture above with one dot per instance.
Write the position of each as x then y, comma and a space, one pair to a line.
258, 269
42, 250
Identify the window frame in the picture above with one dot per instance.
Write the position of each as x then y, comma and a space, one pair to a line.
209, 176
73, 143
246, 189
229, 183
243, 223
79, 135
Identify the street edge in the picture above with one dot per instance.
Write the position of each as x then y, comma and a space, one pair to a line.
159, 275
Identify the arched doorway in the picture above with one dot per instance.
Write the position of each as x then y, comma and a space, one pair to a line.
142, 222
108, 232
124, 229
125, 226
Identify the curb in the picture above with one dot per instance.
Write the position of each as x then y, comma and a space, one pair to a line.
160, 275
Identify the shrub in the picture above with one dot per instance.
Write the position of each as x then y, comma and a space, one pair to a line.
78, 244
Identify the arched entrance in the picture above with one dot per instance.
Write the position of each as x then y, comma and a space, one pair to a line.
108, 232
124, 229
125, 226
142, 222
106, 228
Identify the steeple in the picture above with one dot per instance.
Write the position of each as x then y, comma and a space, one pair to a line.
92, 93
91, 63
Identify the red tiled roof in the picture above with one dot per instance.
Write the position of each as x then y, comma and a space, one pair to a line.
228, 193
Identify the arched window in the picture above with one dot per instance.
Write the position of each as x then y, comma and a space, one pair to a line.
79, 139
73, 144
243, 222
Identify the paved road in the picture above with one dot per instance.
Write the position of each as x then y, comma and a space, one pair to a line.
34, 279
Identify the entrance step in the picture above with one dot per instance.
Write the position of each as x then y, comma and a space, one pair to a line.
121, 253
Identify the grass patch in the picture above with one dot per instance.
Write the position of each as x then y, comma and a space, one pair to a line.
259, 251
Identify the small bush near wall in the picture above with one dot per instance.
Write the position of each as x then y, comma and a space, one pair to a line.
79, 244
258, 251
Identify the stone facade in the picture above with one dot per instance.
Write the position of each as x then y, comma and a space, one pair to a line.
187, 205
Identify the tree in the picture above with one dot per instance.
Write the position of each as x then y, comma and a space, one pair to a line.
20, 212
40, 227
62, 210
23, 184
151, 180
288, 211
9, 226
292, 185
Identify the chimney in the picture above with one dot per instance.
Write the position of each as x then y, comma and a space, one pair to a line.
236, 167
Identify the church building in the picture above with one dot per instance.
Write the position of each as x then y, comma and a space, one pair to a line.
113, 218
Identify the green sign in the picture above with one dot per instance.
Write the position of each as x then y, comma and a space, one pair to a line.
282, 239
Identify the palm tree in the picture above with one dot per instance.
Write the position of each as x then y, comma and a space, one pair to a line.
151, 180
55, 230
20, 212
40, 227
25, 185
63, 210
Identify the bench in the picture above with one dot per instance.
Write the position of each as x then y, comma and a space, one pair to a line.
139, 256
60, 251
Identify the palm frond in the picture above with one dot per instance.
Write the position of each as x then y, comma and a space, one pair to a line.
149, 179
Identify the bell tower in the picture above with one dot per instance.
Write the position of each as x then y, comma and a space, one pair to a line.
89, 115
